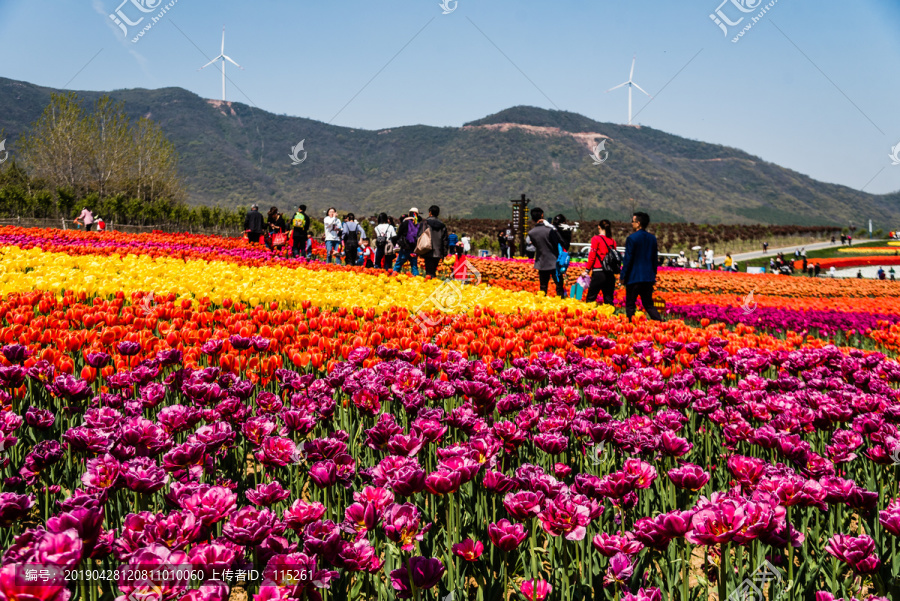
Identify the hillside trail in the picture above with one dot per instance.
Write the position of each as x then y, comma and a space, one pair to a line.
773, 252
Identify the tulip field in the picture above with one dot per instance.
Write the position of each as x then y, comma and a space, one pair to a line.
190, 417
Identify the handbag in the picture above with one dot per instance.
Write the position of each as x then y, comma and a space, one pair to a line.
278, 239
612, 262
423, 242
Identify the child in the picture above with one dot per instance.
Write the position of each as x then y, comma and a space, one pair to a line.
368, 255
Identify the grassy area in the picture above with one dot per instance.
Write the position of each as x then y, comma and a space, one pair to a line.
825, 253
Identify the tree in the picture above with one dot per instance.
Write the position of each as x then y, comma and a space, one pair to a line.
581, 201
56, 148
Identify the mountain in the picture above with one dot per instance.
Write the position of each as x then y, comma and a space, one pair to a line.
233, 154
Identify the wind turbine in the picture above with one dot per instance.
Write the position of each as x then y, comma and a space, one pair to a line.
630, 83
224, 58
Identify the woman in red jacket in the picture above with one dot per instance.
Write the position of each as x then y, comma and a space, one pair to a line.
601, 280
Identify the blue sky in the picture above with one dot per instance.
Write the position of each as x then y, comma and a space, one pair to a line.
812, 86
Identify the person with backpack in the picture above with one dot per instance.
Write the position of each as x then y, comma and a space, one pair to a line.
604, 263
300, 232
432, 242
384, 245
352, 235
639, 267
546, 251
406, 242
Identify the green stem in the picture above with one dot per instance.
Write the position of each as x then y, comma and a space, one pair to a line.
723, 572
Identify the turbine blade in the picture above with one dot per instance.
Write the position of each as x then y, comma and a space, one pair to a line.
223, 39
630, 77
209, 63
228, 58
641, 89
618, 86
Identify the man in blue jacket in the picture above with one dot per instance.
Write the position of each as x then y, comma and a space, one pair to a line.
639, 267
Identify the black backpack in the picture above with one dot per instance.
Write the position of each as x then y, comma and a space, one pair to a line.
612, 262
351, 239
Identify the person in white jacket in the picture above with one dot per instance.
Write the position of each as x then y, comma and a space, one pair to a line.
333, 229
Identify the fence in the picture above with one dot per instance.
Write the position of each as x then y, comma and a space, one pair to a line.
66, 224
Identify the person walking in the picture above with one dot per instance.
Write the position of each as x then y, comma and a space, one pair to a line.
300, 232
453, 242
406, 242
546, 250
275, 225
501, 241
351, 234
849, 240
253, 225
466, 244
384, 236
729, 262
86, 218
439, 241
892, 272
765, 247
602, 271
882, 275
709, 256
639, 267
333, 230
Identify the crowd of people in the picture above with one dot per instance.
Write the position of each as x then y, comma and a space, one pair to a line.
391, 245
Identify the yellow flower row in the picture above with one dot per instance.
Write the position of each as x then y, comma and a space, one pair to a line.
862, 250
27, 270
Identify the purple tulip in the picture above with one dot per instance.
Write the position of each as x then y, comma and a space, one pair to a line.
535, 590
97, 360
890, 517
11, 376
211, 505
265, 495
563, 516
15, 353
249, 526
689, 476
301, 513
359, 556
143, 475
505, 535
610, 544
14, 507
102, 472
425, 572
128, 348
856, 551
42, 419
618, 571
523, 505
403, 525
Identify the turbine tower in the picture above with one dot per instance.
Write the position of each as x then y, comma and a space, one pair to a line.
223, 57
630, 83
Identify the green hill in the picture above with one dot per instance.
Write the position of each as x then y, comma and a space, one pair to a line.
235, 154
